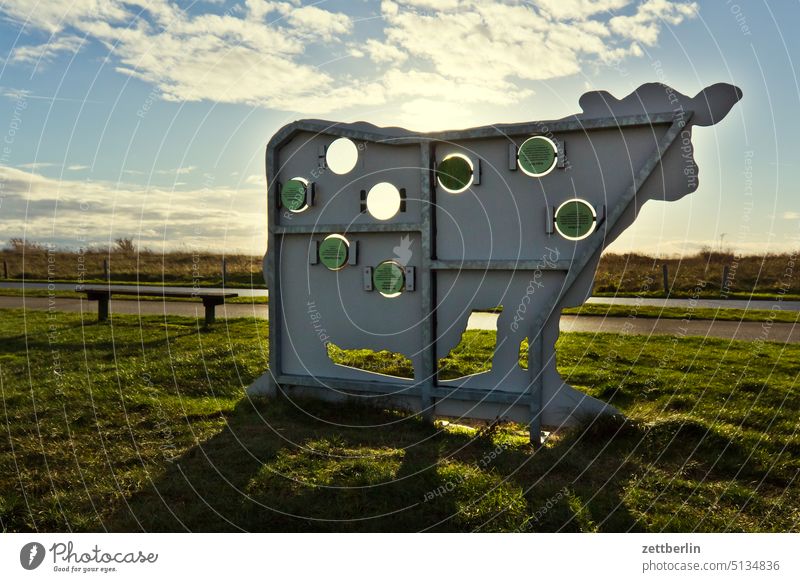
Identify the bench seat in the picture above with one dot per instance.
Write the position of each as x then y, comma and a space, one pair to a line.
102, 294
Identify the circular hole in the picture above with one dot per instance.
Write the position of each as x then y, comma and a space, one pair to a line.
537, 156
383, 201
293, 194
333, 251
341, 156
575, 219
454, 173
389, 278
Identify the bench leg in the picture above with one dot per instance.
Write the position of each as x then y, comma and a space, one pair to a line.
102, 304
102, 309
210, 311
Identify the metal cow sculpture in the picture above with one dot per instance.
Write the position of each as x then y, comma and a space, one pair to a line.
386, 239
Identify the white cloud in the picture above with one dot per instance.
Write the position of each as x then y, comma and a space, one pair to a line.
81, 212
311, 21
178, 171
645, 25
45, 52
77, 167
579, 9
256, 180
36, 165
262, 53
790, 215
381, 52
55, 15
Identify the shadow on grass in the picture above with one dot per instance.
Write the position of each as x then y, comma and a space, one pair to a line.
275, 467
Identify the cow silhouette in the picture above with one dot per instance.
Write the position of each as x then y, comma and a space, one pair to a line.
388, 239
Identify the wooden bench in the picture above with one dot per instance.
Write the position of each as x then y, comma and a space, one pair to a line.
102, 294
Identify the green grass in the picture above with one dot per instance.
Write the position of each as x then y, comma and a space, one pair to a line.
692, 293
704, 313
142, 424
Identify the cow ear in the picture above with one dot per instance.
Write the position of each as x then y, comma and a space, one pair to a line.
713, 103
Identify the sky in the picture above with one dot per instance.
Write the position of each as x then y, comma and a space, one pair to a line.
148, 119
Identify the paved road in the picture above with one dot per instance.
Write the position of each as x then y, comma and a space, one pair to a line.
777, 332
649, 301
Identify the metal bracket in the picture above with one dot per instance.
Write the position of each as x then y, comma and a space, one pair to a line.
311, 191
476, 173
561, 152
352, 253
549, 219
313, 252
367, 278
410, 278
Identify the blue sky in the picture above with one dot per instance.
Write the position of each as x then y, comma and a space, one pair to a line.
149, 119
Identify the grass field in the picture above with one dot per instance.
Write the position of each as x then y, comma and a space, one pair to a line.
34, 262
629, 274
142, 425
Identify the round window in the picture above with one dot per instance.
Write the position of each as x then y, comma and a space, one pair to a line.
341, 156
575, 219
383, 201
389, 278
537, 156
293, 194
454, 173
333, 251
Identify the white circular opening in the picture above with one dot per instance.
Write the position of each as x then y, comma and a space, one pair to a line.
383, 201
341, 156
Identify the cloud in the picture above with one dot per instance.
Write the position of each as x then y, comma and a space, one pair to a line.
645, 25
38, 54
268, 54
36, 165
178, 171
75, 213
790, 215
77, 167
381, 52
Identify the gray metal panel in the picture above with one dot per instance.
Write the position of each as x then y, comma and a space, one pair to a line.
492, 245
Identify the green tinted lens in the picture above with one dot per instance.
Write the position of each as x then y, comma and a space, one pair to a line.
454, 173
293, 195
575, 219
388, 278
536, 155
333, 252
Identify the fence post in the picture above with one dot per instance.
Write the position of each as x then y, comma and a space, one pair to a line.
665, 274
106, 270
224, 270
5, 269
725, 273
